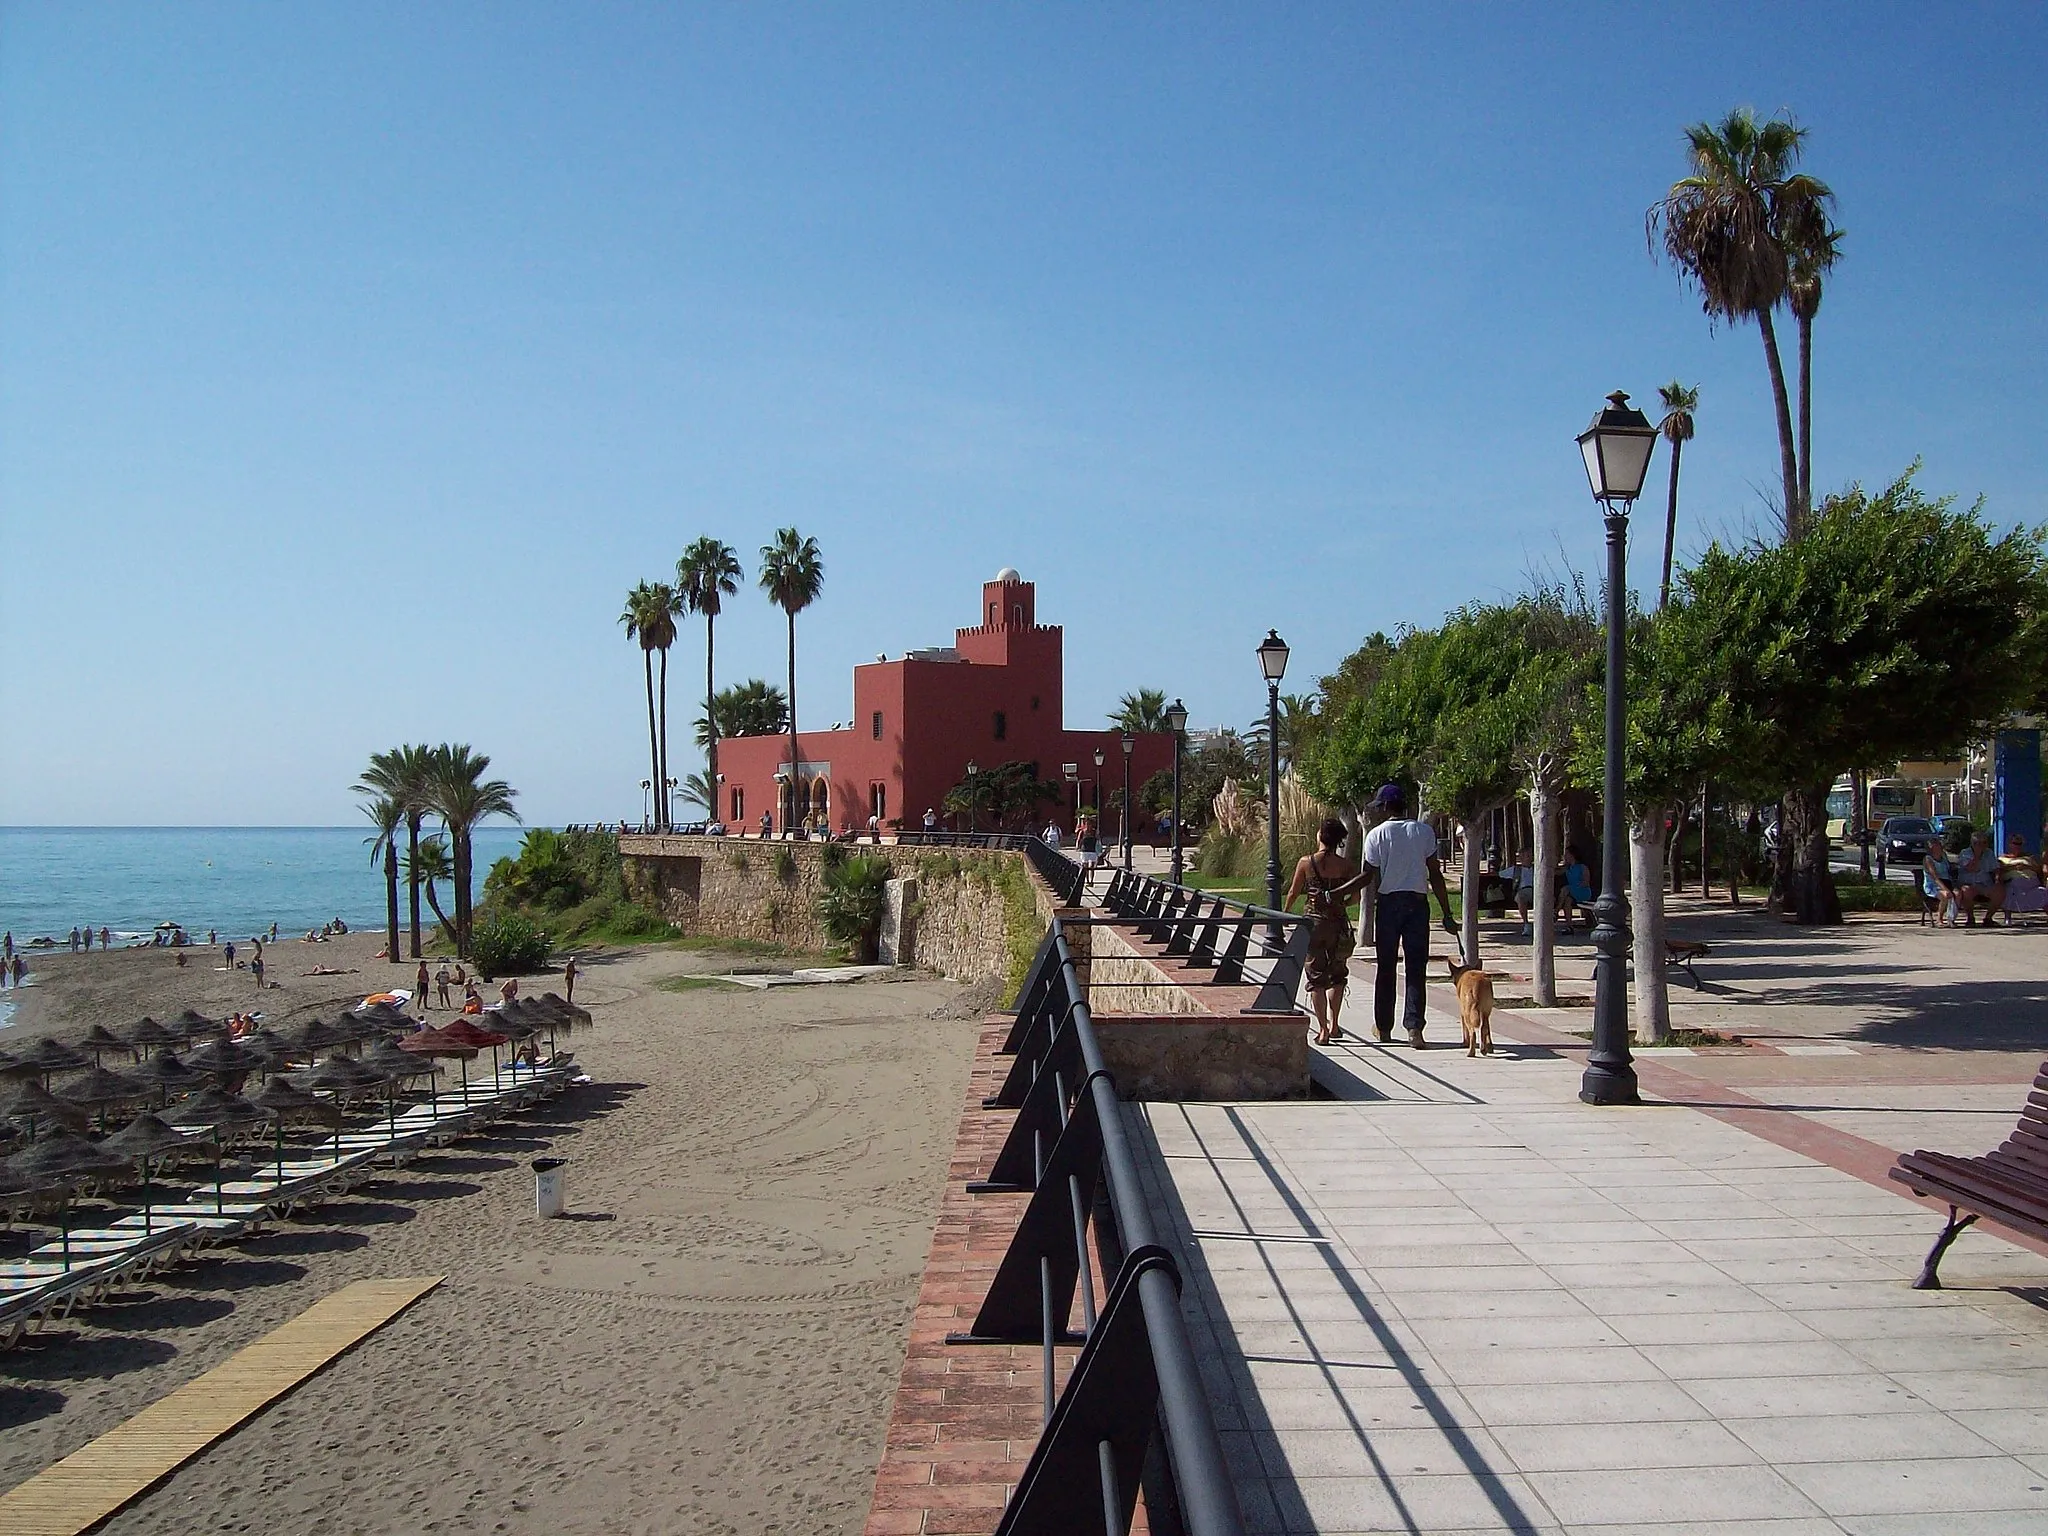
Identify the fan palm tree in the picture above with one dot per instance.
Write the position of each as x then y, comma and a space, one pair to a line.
650, 618
707, 575
387, 815
427, 863
1679, 404
1142, 711
752, 708
792, 574
1816, 246
1723, 228
462, 797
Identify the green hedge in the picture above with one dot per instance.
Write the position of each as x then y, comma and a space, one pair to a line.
1888, 897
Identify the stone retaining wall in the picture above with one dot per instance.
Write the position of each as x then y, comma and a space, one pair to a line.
964, 913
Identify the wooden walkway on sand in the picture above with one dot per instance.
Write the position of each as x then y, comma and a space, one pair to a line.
95, 1480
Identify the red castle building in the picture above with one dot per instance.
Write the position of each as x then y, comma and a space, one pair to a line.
994, 696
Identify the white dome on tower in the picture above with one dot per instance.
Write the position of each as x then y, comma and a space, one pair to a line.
1008, 574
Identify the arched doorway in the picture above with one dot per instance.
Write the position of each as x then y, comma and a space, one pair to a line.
821, 803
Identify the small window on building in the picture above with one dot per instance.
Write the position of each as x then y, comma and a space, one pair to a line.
1017, 615
993, 609
739, 804
1002, 725
1034, 701
878, 725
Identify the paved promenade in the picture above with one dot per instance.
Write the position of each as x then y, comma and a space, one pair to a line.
1459, 1300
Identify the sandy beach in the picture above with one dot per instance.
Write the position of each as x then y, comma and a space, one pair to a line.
711, 1344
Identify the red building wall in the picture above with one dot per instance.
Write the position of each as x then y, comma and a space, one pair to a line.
919, 720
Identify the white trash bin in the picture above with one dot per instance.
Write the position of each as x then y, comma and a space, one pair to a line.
550, 1187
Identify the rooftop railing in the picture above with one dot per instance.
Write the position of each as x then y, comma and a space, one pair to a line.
1133, 1414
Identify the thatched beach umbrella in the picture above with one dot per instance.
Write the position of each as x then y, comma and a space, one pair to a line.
167, 1075
99, 1040
270, 1048
317, 1035
461, 1031
212, 1110
98, 1088
38, 1111
49, 1057
197, 1026
146, 1034
579, 1014
142, 1140
223, 1058
62, 1160
280, 1100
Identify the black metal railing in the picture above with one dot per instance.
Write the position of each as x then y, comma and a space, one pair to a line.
1058, 871
1230, 937
1133, 1414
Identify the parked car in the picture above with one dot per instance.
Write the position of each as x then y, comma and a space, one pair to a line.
1904, 840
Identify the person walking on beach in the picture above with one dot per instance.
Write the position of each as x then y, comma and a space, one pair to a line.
419, 984
20, 972
1400, 856
8, 952
105, 937
273, 933
74, 941
256, 965
569, 975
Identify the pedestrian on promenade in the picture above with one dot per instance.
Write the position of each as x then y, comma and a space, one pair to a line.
569, 975
1401, 859
931, 821
1327, 879
1089, 846
767, 825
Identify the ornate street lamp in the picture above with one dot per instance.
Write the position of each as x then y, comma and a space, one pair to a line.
1128, 740
973, 798
646, 805
1617, 448
1273, 662
1098, 800
1176, 722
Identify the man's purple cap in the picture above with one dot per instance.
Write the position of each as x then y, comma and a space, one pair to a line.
1391, 794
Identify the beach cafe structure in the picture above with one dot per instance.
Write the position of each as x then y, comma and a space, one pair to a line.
994, 696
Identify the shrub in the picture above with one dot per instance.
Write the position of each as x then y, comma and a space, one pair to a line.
506, 944
1888, 897
785, 866
853, 902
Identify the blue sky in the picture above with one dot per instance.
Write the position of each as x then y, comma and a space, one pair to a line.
356, 359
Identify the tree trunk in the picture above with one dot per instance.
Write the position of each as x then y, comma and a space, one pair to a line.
1670, 525
462, 906
1468, 895
434, 902
1674, 845
661, 787
1646, 875
1795, 517
1706, 862
1543, 914
1805, 415
795, 760
711, 713
1813, 886
391, 898
412, 874
653, 751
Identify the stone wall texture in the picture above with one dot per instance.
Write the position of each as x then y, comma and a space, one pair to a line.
954, 913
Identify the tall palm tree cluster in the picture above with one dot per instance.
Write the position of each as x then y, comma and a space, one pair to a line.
792, 574
400, 789
1752, 233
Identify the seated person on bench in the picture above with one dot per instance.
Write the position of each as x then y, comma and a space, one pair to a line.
1980, 882
1937, 885
1521, 879
2023, 889
1575, 890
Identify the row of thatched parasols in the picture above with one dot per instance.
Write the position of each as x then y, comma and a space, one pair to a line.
208, 1114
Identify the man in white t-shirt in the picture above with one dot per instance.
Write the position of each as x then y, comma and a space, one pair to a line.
1400, 856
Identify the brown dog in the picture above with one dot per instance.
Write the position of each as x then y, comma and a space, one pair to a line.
1475, 1007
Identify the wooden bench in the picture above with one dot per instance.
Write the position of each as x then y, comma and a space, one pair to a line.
2009, 1184
1682, 953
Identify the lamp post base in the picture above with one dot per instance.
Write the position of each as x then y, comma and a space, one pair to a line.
1609, 1084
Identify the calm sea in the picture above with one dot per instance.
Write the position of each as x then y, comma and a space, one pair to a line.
236, 880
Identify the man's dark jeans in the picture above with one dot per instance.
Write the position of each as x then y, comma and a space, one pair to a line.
1400, 923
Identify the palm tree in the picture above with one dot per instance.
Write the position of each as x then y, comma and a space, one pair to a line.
1723, 227
792, 574
1815, 246
650, 618
387, 815
1679, 404
709, 573
1142, 712
752, 708
428, 862
461, 796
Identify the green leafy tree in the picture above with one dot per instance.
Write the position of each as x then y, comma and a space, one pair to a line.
792, 574
462, 797
1680, 401
708, 573
1725, 228
752, 708
650, 619
1143, 711
1008, 793
1896, 627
